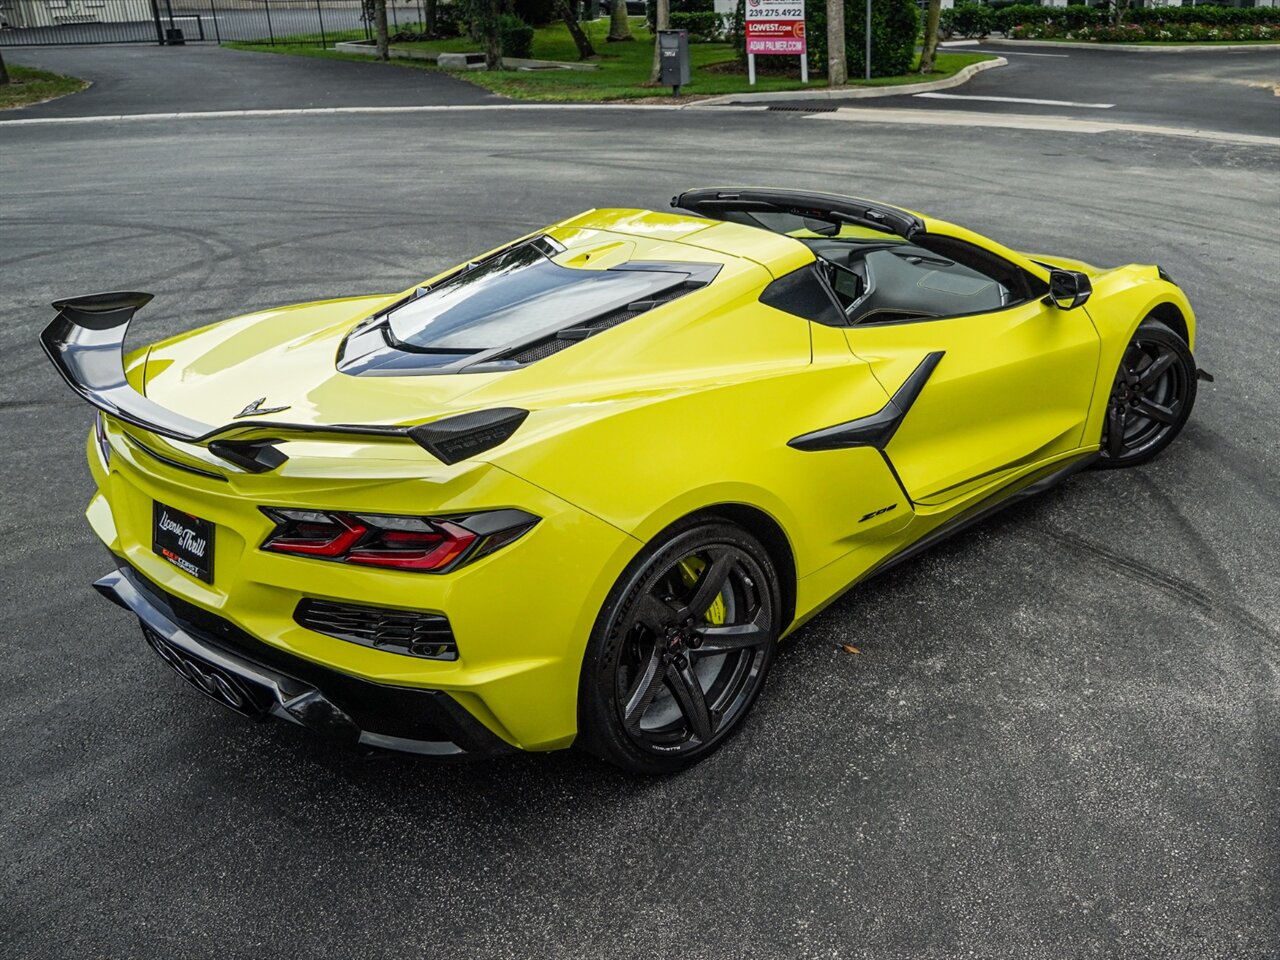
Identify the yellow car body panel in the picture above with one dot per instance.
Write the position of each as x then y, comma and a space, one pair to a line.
690, 406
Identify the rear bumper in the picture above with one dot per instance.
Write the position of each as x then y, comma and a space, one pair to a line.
255, 678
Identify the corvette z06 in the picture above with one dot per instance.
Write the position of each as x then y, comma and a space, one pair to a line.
575, 490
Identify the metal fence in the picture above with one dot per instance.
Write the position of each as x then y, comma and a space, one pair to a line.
319, 22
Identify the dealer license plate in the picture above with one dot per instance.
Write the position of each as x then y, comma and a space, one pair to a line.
183, 540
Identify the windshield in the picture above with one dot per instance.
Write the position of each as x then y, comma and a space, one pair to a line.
518, 294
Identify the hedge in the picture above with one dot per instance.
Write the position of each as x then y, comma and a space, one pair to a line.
1076, 17
967, 20
702, 27
1138, 32
678, 7
537, 13
1204, 14
516, 37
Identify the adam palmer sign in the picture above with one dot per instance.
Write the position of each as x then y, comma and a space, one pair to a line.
775, 28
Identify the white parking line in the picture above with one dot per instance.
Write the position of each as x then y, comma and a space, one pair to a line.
1044, 103
335, 111
1025, 121
1021, 53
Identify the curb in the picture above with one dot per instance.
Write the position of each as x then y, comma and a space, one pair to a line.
1137, 47
855, 93
456, 61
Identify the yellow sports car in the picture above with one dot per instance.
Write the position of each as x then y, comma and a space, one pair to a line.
575, 490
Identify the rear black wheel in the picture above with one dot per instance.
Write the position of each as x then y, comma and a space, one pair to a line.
680, 650
1151, 396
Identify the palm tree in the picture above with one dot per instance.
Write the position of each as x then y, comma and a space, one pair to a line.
619, 27
380, 29
661, 21
837, 65
930, 37
580, 39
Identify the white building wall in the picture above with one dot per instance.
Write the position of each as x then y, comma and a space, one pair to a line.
48, 13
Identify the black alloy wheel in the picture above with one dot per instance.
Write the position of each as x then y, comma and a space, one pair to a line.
681, 649
1151, 397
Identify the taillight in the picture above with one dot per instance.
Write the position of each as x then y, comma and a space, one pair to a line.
423, 544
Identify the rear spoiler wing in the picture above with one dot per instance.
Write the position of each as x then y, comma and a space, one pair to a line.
714, 202
85, 342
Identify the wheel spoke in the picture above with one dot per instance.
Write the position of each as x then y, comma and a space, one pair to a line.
726, 639
1116, 418
644, 689
709, 587
654, 614
687, 690
1152, 372
1155, 411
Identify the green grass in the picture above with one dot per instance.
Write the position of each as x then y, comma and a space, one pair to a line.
623, 68
309, 39
30, 86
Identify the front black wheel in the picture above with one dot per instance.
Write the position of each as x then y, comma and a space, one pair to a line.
1151, 396
680, 650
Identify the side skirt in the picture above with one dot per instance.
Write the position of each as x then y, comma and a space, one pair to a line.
1022, 489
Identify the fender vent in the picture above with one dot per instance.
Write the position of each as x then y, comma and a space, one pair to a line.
408, 632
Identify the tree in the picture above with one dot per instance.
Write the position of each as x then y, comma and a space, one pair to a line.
491, 28
930, 50
429, 17
4, 73
380, 29
619, 26
580, 39
837, 69
661, 21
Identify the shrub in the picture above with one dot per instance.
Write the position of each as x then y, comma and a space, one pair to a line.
679, 7
1215, 16
1027, 21
1137, 32
516, 37
537, 12
967, 20
702, 27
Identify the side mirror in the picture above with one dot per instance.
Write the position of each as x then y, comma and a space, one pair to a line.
1068, 289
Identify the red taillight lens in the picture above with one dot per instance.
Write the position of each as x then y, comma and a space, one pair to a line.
314, 534
414, 550
401, 543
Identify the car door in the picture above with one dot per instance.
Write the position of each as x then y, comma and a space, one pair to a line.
1001, 388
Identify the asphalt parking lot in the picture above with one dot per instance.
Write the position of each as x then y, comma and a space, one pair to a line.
140, 78
1059, 738
1225, 90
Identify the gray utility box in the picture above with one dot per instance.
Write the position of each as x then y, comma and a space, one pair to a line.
673, 54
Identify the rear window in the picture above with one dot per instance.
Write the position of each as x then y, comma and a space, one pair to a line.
518, 294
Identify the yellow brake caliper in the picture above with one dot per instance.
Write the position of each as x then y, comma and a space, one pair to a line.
690, 569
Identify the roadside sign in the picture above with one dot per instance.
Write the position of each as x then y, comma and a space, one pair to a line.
775, 28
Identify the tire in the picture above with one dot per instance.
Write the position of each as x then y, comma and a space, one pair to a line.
1151, 397
663, 682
